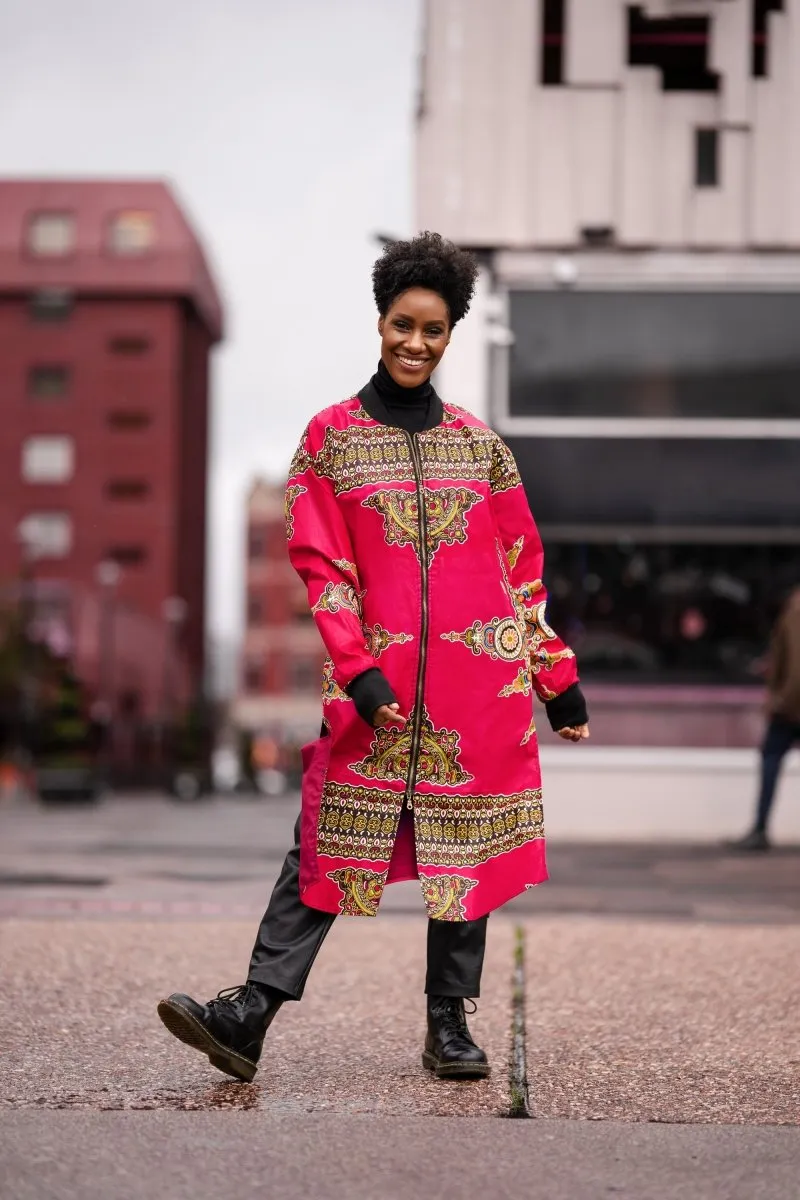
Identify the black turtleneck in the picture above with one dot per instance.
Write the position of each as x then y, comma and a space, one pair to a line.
408, 407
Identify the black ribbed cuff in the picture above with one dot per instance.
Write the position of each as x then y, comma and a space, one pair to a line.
369, 691
568, 709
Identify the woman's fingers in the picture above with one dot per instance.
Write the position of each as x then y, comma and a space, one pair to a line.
574, 733
388, 714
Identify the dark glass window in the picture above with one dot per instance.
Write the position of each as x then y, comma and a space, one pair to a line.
130, 344
303, 675
725, 482
127, 556
48, 382
256, 542
253, 672
128, 419
678, 46
551, 69
706, 158
51, 305
661, 613
760, 49
255, 609
655, 354
127, 489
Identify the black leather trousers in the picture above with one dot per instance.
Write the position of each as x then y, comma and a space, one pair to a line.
290, 935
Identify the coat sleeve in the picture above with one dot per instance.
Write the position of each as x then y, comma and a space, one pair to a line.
321, 552
553, 665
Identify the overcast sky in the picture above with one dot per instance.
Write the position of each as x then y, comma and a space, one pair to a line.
286, 129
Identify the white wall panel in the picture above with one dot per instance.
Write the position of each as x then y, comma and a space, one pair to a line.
641, 113
552, 167
595, 135
730, 56
595, 49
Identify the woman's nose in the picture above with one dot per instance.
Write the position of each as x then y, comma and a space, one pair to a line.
415, 341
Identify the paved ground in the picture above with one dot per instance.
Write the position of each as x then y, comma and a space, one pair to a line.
662, 989
250, 1156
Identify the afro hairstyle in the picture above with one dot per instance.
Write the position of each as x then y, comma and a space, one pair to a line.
426, 261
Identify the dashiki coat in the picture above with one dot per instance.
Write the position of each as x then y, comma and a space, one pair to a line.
421, 558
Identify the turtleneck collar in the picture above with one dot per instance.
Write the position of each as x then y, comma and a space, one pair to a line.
412, 409
392, 393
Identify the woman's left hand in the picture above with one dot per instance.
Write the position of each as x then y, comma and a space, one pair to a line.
574, 733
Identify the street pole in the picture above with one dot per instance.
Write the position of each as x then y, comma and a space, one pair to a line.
107, 575
174, 611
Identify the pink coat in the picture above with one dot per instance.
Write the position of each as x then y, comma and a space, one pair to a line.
421, 557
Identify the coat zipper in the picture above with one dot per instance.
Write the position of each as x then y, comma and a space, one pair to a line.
422, 520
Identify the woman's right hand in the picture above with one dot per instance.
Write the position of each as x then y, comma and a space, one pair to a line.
388, 714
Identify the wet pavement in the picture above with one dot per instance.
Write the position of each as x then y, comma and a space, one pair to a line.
662, 986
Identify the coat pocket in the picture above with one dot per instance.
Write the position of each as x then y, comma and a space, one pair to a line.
315, 757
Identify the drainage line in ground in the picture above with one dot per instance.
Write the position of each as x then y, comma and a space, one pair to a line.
519, 1105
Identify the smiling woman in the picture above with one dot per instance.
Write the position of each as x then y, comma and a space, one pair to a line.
407, 521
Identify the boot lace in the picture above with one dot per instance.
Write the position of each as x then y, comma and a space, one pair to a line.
452, 1014
232, 995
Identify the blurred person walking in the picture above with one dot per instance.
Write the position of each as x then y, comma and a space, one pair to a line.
783, 727
407, 520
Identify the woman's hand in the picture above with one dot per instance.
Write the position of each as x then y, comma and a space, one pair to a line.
574, 733
388, 714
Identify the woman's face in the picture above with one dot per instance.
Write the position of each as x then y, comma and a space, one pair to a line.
414, 335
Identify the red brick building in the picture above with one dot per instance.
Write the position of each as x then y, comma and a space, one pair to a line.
108, 314
282, 653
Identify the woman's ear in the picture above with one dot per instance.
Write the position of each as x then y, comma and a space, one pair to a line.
380, 326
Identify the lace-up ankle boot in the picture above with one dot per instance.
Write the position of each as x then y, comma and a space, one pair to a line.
229, 1029
449, 1050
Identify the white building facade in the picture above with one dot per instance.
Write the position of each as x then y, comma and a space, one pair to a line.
630, 175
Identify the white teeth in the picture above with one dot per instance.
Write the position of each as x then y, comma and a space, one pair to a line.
411, 362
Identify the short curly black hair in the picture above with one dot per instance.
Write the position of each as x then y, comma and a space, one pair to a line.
426, 261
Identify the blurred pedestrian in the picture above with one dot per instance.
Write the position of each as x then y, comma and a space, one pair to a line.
783, 727
407, 520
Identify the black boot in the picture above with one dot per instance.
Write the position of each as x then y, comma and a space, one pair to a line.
449, 1049
230, 1029
752, 843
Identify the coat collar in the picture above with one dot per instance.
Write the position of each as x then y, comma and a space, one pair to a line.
372, 403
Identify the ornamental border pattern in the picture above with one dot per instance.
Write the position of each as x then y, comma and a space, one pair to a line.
361, 456
470, 830
358, 822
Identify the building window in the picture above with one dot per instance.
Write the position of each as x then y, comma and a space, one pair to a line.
127, 556
655, 355
51, 305
128, 419
252, 674
678, 46
48, 459
131, 232
255, 609
127, 489
551, 70
256, 543
48, 383
760, 47
661, 612
51, 234
706, 158
303, 675
47, 534
130, 344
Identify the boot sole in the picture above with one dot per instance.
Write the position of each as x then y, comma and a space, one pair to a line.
182, 1025
454, 1070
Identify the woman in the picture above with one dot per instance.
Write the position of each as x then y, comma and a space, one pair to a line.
407, 521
